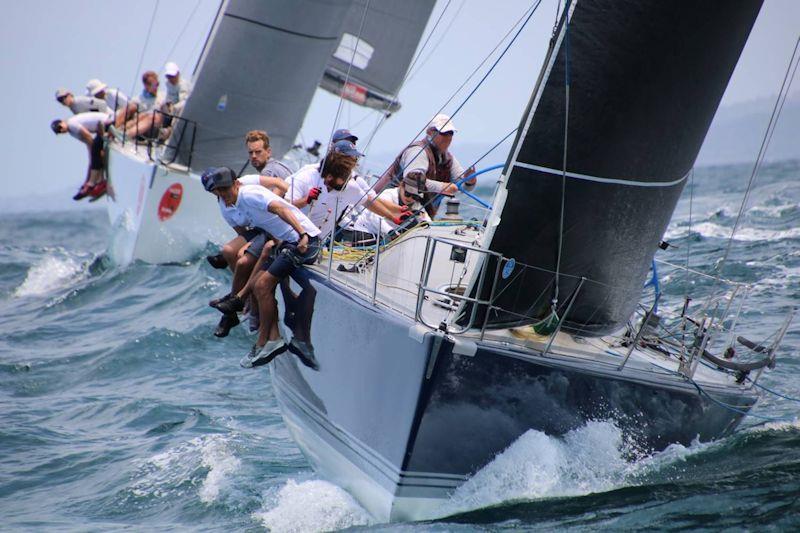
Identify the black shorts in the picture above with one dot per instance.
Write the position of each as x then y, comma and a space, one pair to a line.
96, 157
287, 258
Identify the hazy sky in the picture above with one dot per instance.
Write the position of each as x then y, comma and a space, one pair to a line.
48, 44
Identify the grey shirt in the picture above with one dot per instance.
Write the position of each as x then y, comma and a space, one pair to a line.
275, 169
87, 104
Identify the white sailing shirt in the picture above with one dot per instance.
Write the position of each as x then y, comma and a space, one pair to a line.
369, 222
90, 121
253, 204
330, 206
230, 213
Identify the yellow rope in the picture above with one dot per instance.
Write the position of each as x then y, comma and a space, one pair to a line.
342, 252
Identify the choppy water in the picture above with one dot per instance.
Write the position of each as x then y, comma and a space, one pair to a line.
120, 410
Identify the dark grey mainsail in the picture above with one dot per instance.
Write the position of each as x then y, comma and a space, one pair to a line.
259, 70
645, 79
388, 39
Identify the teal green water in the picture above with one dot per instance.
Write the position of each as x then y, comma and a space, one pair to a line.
120, 410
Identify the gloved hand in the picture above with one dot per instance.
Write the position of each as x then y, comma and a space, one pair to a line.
404, 215
313, 194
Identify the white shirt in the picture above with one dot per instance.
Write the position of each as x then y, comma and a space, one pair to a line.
116, 100
87, 104
415, 159
328, 208
90, 121
179, 92
253, 204
230, 213
369, 222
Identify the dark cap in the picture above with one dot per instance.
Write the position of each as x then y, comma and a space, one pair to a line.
343, 134
347, 148
56, 126
414, 185
215, 177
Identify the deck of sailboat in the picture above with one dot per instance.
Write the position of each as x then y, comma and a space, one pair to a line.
397, 289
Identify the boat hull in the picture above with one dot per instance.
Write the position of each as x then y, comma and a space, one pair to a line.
158, 213
400, 416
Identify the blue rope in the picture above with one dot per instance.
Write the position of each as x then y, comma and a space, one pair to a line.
736, 409
460, 184
656, 285
776, 393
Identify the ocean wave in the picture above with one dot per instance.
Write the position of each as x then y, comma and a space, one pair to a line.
50, 273
717, 231
205, 464
593, 458
311, 505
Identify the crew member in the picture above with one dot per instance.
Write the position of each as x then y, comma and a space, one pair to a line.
88, 128
298, 240
80, 104
119, 106
431, 159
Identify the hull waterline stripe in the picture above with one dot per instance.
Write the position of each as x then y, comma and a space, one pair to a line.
597, 179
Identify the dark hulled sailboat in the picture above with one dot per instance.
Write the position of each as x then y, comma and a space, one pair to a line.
418, 388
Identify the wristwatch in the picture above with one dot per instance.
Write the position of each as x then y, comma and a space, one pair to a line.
304, 235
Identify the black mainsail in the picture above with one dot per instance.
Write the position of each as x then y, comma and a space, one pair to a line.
370, 72
645, 78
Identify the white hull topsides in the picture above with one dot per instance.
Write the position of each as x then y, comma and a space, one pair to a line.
159, 213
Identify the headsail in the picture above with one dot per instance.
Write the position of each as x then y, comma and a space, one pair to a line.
645, 79
259, 70
388, 40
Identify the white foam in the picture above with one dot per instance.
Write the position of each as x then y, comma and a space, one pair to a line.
773, 211
312, 505
587, 460
206, 461
49, 274
712, 230
221, 464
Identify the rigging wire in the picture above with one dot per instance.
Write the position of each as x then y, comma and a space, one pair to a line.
144, 47
439, 42
773, 120
347, 75
527, 16
183, 30
564, 159
383, 116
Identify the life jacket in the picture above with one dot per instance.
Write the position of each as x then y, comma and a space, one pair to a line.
437, 170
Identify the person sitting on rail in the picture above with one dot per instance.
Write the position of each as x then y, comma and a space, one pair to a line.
297, 244
119, 105
430, 158
244, 250
408, 195
178, 88
327, 194
89, 129
149, 117
80, 104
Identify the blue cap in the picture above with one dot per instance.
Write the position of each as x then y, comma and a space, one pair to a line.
347, 148
343, 134
214, 177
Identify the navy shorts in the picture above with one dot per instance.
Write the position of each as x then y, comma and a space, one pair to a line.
287, 258
257, 240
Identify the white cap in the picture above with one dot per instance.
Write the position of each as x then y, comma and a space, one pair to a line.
171, 69
61, 93
442, 124
95, 86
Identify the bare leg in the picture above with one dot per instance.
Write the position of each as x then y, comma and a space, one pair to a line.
242, 273
268, 307
231, 250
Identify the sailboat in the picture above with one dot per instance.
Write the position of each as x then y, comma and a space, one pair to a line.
436, 351
259, 69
